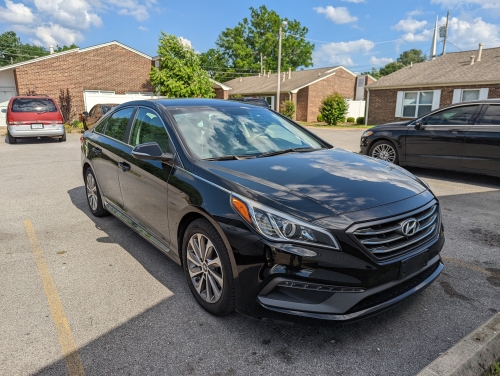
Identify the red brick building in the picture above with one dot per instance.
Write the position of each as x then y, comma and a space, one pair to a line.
110, 70
306, 88
415, 90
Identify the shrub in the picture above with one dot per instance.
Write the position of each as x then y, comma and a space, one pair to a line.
320, 118
350, 120
288, 109
360, 120
334, 108
342, 120
65, 102
77, 124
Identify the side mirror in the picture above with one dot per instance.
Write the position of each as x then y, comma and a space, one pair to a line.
151, 151
418, 124
85, 113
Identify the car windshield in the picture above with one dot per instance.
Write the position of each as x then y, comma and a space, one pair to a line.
214, 133
33, 105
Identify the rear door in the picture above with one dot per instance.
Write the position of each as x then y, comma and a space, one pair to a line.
440, 140
106, 151
144, 184
482, 141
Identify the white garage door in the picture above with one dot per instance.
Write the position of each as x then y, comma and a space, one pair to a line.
93, 97
5, 95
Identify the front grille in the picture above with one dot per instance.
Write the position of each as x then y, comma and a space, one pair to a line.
387, 239
393, 292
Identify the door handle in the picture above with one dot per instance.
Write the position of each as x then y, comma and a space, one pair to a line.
97, 150
124, 166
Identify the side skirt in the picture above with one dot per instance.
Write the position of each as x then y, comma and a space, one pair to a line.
138, 228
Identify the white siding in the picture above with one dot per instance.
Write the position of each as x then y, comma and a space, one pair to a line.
7, 78
483, 93
399, 104
436, 99
457, 96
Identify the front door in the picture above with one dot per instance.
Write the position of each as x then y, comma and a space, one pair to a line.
482, 142
440, 140
144, 183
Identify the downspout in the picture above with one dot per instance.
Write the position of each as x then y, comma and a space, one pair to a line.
367, 106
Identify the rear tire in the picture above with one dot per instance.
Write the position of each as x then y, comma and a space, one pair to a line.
94, 195
12, 140
63, 138
385, 150
207, 268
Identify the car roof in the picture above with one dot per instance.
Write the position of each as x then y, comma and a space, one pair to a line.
33, 96
183, 102
492, 100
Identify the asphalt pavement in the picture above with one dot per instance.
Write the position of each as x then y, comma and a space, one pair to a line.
82, 291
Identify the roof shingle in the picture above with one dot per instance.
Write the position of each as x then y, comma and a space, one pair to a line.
451, 68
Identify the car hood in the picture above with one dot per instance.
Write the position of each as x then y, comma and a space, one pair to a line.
390, 125
315, 184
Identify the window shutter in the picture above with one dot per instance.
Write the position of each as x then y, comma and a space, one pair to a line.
436, 99
483, 93
399, 104
457, 96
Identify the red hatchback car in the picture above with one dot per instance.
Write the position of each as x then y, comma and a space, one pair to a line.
34, 116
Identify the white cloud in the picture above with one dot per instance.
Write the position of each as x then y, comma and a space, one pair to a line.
133, 8
409, 25
142, 28
16, 13
418, 37
467, 35
339, 15
460, 4
355, 1
416, 12
74, 14
185, 42
380, 60
53, 34
338, 52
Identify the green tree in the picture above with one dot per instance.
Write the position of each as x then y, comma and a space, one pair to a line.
390, 68
180, 74
288, 108
217, 65
12, 50
411, 56
65, 48
374, 73
243, 45
334, 108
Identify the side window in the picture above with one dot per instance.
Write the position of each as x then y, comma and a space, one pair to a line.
148, 127
491, 116
453, 116
100, 127
92, 111
117, 124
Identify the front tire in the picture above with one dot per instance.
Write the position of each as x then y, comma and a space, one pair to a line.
12, 140
207, 268
385, 150
94, 195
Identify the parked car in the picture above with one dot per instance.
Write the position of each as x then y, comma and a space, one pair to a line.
96, 112
461, 137
34, 116
265, 217
256, 101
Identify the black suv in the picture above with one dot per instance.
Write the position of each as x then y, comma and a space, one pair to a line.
265, 217
256, 101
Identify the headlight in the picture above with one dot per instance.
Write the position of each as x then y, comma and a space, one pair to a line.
277, 226
367, 133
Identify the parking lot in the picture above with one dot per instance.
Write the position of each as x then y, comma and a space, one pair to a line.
88, 294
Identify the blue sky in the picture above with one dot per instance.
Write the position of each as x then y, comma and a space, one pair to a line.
356, 33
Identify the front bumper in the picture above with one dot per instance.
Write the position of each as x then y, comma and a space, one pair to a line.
26, 131
364, 145
354, 304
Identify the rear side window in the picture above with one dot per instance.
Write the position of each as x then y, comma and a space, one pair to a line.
453, 116
491, 116
117, 123
148, 127
33, 105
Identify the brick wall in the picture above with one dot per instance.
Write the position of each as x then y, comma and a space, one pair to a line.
111, 68
342, 82
221, 93
382, 106
301, 105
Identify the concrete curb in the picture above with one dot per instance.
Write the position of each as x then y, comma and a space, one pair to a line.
472, 355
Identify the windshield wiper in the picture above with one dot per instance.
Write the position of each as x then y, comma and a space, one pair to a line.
229, 157
284, 151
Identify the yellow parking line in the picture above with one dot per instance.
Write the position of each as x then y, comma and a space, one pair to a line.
69, 349
471, 266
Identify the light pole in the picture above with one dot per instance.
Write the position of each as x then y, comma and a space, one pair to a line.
284, 24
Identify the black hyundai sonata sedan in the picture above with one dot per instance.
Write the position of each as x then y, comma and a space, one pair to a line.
264, 217
462, 137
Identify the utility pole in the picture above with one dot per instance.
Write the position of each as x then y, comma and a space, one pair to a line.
277, 104
446, 32
261, 71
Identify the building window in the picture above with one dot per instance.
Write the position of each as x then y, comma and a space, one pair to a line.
361, 81
417, 103
470, 95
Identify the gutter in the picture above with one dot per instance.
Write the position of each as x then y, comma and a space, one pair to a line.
367, 106
463, 83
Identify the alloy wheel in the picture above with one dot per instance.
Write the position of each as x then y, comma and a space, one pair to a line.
385, 152
204, 267
92, 192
